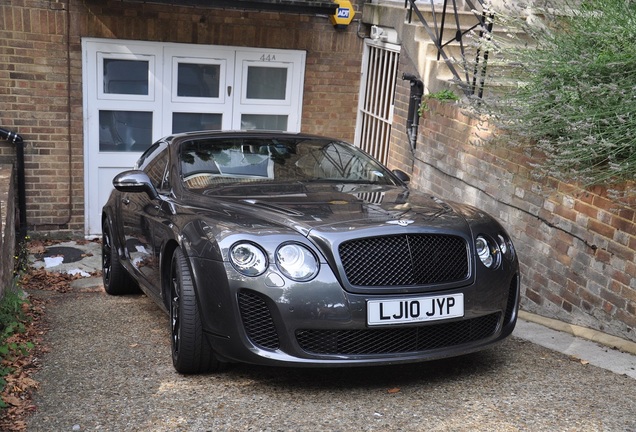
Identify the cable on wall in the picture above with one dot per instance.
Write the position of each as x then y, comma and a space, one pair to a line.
539, 218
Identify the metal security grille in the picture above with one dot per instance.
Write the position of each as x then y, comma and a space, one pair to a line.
377, 90
397, 340
403, 260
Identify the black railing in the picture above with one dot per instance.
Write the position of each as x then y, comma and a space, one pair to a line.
472, 82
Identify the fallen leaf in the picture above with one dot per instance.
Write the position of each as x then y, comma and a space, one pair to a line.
19, 388
40, 279
19, 426
585, 362
28, 382
12, 400
36, 247
393, 390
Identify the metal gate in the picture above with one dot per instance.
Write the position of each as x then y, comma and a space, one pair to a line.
377, 91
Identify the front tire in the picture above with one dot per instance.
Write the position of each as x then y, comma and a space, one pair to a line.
191, 352
116, 279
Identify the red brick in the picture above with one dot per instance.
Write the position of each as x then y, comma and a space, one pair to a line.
534, 297
601, 228
586, 209
621, 252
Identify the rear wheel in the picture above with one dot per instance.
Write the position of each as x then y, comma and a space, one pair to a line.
116, 279
191, 352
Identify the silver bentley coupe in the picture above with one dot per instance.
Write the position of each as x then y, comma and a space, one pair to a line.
300, 250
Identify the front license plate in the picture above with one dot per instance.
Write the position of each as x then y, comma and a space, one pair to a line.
415, 309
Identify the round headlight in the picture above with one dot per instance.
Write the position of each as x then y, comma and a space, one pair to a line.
248, 259
297, 262
485, 252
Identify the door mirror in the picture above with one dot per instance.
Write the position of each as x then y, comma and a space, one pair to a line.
135, 181
402, 176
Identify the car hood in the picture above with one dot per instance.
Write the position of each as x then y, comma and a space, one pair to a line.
329, 208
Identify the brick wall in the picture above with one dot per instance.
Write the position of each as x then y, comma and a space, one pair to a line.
41, 80
33, 103
577, 247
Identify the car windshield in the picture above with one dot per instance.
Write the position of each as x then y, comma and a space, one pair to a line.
216, 161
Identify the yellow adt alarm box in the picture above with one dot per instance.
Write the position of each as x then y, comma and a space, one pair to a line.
344, 14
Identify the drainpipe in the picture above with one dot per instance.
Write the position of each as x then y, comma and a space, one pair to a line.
415, 99
19, 143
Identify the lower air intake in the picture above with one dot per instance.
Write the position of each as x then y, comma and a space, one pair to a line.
397, 340
257, 320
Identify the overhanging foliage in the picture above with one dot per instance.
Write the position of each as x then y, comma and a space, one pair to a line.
575, 88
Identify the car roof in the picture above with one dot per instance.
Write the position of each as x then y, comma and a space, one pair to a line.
244, 134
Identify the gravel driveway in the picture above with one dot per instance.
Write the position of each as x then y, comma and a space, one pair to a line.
109, 369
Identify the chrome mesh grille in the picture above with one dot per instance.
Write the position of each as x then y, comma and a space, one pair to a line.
399, 260
397, 340
257, 320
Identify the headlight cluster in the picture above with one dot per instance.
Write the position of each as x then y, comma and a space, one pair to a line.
248, 259
490, 251
294, 260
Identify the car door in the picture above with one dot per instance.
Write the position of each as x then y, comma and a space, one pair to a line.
140, 213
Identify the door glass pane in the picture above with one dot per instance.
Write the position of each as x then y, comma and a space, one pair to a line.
262, 121
125, 131
266, 83
198, 80
126, 76
188, 122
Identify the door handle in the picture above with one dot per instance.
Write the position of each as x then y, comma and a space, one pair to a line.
126, 201
229, 91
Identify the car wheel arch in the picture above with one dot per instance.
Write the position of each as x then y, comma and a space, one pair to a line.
191, 350
116, 279
107, 218
166, 262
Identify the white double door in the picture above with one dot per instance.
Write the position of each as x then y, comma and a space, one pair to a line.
137, 92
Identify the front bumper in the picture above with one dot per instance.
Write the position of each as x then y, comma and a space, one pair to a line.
318, 323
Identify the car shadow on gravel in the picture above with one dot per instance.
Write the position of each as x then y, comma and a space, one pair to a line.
394, 376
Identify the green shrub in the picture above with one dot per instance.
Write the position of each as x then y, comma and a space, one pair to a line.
12, 322
445, 95
575, 97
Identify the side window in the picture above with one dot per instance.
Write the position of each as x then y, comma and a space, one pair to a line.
149, 154
157, 170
